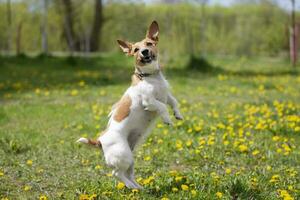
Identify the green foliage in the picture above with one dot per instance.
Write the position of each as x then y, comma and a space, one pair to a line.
243, 29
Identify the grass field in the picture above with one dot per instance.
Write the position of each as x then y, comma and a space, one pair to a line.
239, 140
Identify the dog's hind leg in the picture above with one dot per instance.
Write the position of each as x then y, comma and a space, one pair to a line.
130, 176
122, 177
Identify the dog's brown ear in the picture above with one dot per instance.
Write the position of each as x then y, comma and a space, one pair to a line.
153, 31
125, 46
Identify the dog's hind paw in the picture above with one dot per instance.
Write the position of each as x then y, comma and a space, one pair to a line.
83, 140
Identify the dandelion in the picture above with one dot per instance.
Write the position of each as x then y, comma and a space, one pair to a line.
147, 158
285, 195
275, 138
98, 167
184, 187
43, 197
194, 192
228, 171
275, 178
165, 198
120, 186
134, 190
29, 162
84, 197
255, 152
74, 92
226, 142
81, 83
188, 143
1, 173
178, 178
219, 195
243, 148
175, 189
27, 188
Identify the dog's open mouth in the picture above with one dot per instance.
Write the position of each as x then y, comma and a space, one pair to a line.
148, 59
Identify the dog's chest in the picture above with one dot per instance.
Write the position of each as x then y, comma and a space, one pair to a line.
159, 88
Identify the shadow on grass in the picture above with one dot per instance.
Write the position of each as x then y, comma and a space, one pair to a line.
197, 66
202, 65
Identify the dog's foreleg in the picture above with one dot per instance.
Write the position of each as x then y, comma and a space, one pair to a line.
151, 104
174, 105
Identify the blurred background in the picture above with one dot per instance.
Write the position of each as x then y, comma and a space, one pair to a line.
188, 27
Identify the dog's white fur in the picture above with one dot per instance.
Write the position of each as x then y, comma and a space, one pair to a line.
148, 100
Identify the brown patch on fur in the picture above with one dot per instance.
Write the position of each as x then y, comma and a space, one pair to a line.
135, 80
94, 142
123, 108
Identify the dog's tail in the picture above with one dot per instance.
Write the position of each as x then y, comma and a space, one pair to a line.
95, 143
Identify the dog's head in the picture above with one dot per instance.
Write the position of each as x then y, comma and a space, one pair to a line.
145, 52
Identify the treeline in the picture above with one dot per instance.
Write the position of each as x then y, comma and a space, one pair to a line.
242, 29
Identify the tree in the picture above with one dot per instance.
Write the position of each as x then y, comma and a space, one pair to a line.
44, 27
68, 24
97, 25
9, 25
293, 36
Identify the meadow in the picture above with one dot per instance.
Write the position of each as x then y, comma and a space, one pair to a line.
239, 140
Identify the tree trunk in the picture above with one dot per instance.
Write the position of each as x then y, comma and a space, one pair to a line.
9, 28
202, 28
19, 39
97, 25
44, 28
69, 25
293, 37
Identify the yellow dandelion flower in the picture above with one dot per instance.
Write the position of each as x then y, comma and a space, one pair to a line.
120, 186
228, 171
98, 167
29, 162
178, 178
219, 195
188, 143
134, 190
275, 138
175, 189
275, 178
84, 197
81, 83
173, 172
184, 187
43, 197
74, 92
27, 188
243, 148
255, 152
165, 198
1, 173
147, 158
194, 192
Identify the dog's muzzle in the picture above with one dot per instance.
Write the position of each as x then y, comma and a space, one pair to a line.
147, 56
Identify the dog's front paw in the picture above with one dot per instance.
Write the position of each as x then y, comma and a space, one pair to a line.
168, 121
178, 116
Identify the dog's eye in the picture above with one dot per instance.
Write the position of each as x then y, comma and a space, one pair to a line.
149, 44
136, 49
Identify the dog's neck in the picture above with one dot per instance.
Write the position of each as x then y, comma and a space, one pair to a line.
141, 75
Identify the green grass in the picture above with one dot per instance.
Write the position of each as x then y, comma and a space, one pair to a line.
241, 128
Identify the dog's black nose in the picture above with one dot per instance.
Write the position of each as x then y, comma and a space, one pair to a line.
145, 52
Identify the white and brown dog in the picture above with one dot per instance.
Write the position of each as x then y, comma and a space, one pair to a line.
133, 116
